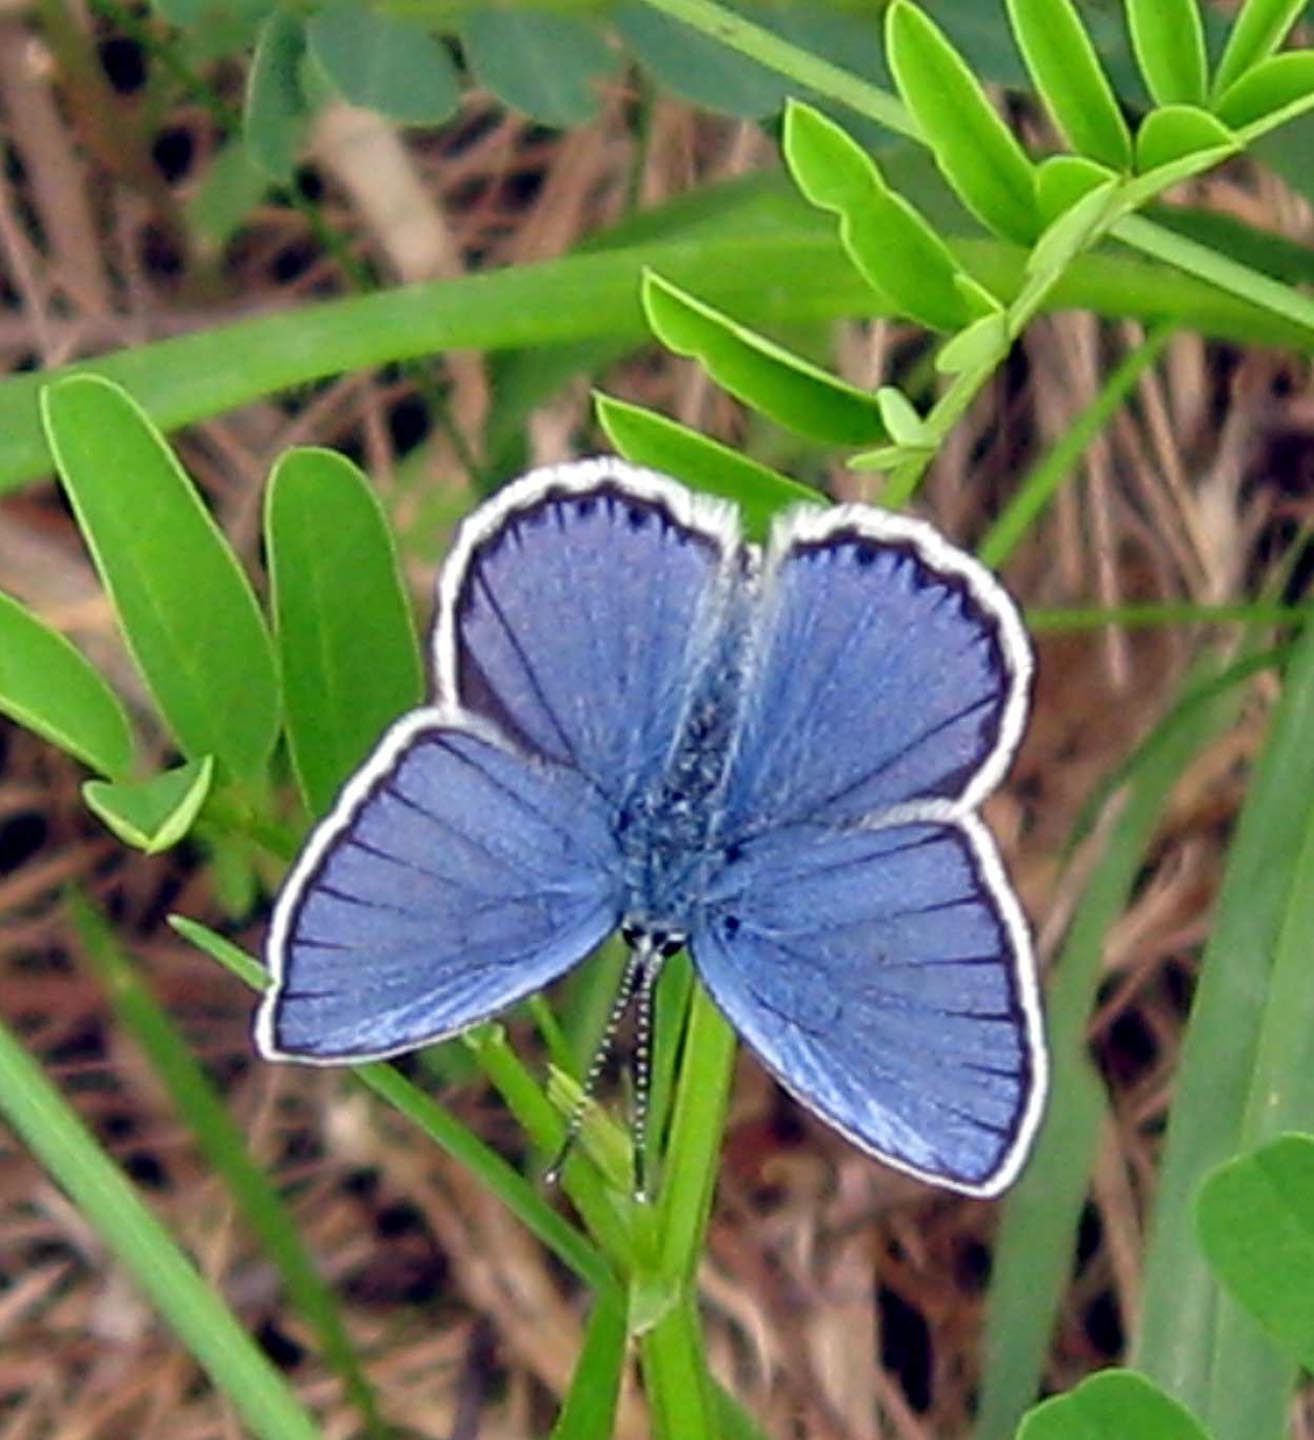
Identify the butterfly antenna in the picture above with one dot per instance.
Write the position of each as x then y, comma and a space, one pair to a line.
643, 1068
634, 966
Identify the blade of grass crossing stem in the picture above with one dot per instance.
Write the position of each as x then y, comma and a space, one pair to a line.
192, 1310
220, 1140
1033, 1253
1041, 483
500, 1179
1180, 1319
589, 1409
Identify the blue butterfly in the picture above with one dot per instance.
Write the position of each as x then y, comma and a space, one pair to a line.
773, 755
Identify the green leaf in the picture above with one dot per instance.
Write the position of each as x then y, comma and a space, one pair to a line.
107, 1202
973, 147
1168, 39
382, 63
1255, 1219
886, 458
275, 115
1112, 1405
1272, 87
182, 601
346, 639
697, 68
232, 186
1175, 132
48, 685
1259, 28
982, 343
538, 62
905, 426
896, 251
154, 814
647, 438
1067, 73
1062, 180
789, 390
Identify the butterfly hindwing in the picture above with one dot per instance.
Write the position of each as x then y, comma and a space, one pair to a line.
453, 878
890, 667
572, 611
885, 977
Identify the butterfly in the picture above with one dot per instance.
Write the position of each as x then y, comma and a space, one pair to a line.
772, 755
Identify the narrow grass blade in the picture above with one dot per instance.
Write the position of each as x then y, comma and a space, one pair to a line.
186, 609
217, 1136
1033, 1252
47, 685
792, 271
1041, 483
192, 1310
1182, 1315
343, 625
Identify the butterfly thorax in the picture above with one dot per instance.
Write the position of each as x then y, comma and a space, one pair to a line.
666, 828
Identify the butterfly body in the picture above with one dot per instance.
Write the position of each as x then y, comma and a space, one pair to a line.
777, 755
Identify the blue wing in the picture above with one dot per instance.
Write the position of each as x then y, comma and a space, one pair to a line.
885, 977
573, 611
453, 878
890, 668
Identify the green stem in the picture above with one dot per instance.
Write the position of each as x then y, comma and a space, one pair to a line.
680, 1396
809, 70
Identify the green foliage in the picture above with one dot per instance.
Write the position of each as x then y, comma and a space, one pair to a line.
1168, 37
380, 63
48, 685
784, 387
182, 602
1113, 1405
543, 63
1243, 1078
344, 633
1068, 76
1255, 1216
897, 252
276, 112
194, 1312
978, 153
153, 814
650, 439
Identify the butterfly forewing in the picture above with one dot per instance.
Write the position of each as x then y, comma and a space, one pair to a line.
573, 611
884, 976
889, 668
